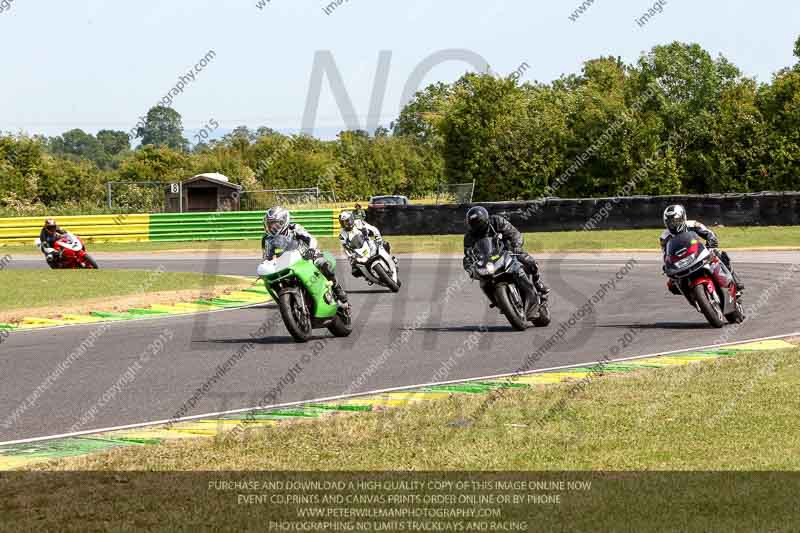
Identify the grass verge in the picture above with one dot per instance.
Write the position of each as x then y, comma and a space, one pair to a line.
730, 414
51, 291
778, 237
737, 414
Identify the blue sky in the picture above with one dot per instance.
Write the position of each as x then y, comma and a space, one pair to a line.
99, 64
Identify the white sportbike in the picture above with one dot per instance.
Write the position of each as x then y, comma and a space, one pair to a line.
373, 261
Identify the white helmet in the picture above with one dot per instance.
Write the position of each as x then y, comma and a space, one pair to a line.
675, 219
347, 220
276, 221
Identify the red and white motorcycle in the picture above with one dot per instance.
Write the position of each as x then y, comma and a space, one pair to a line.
68, 252
699, 274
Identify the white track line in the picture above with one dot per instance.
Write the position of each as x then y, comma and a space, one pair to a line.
380, 391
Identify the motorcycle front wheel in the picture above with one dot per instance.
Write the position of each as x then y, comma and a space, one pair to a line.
295, 315
513, 311
89, 262
710, 308
386, 278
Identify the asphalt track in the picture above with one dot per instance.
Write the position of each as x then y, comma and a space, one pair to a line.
432, 329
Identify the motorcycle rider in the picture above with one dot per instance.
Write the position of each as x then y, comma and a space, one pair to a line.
675, 220
50, 233
480, 224
277, 221
349, 222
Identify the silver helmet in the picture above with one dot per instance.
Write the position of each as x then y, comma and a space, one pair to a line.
276, 221
347, 220
675, 219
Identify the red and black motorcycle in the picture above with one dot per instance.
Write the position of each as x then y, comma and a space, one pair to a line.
699, 274
69, 252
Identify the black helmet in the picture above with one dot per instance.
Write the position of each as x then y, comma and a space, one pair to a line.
50, 225
675, 219
477, 219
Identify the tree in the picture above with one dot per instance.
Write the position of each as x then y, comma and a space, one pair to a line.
478, 128
418, 119
155, 163
779, 103
264, 131
114, 142
20, 160
691, 88
163, 127
79, 145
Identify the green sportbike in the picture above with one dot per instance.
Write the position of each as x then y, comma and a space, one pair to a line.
302, 292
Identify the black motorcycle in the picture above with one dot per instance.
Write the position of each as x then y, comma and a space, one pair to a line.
497, 270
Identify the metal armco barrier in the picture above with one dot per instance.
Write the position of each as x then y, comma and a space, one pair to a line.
635, 212
93, 228
231, 226
164, 227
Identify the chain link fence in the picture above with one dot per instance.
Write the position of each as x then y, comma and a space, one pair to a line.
455, 193
296, 198
137, 196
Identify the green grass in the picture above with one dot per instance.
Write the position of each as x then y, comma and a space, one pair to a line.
736, 414
727, 414
23, 289
605, 240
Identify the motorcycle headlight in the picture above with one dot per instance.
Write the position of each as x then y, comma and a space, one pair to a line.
683, 263
490, 268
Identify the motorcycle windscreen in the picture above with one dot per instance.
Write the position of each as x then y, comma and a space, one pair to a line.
70, 242
683, 244
486, 249
282, 244
359, 245
358, 241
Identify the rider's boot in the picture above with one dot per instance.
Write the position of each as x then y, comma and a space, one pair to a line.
738, 282
532, 268
339, 292
726, 260
529, 293
543, 289
388, 248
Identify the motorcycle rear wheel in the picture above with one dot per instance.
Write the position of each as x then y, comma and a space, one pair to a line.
342, 325
514, 314
295, 315
543, 319
738, 316
710, 309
